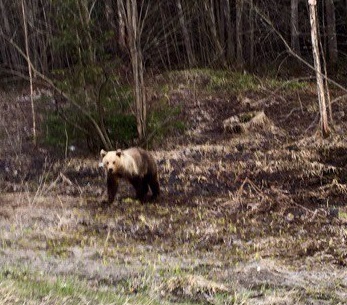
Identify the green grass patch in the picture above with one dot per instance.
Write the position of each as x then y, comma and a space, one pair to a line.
18, 285
34, 288
231, 82
343, 215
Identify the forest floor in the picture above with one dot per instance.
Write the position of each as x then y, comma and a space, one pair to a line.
252, 214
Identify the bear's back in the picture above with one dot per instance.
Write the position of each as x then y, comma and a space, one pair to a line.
143, 159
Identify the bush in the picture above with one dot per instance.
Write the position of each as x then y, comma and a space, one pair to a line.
163, 120
122, 128
70, 128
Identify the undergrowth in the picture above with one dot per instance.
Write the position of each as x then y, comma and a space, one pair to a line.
227, 81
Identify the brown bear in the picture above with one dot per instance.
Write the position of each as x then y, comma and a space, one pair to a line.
135, 165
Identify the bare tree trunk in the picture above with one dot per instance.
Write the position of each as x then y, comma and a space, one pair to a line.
30, 71
45, 39
295, 43
211, 20
85, 13
251, 34
133, 26
204, 52
239, 33
121, 25
109, 13
187, 41
166, 42
331, 31
13, 59
31, 12
230, 53
221, 22
317, 64
6, 26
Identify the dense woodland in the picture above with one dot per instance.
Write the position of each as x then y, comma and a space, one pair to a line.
96, 55
171, 34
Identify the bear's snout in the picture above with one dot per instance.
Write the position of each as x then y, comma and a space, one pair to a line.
110, 170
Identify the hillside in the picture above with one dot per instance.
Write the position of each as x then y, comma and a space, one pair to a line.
253, 206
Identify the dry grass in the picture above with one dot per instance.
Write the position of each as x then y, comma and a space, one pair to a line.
193, 287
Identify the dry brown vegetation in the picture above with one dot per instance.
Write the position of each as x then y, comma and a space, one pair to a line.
248, 215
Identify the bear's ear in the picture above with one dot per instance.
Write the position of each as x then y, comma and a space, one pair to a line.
118, 152
103, 153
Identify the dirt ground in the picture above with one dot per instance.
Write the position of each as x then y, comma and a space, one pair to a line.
253, 217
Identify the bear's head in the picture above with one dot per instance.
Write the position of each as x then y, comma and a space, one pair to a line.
111, 160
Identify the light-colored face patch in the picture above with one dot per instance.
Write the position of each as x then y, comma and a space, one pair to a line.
120, 162
111, 162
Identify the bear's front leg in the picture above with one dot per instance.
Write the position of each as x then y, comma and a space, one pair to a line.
112, 187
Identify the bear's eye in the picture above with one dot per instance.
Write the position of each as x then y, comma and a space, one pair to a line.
114, 162
107, 163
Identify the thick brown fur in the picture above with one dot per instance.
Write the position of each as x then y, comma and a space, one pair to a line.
135, 165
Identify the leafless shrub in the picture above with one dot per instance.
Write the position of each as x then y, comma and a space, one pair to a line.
252, 199
334, 188
302, 161
248, 121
